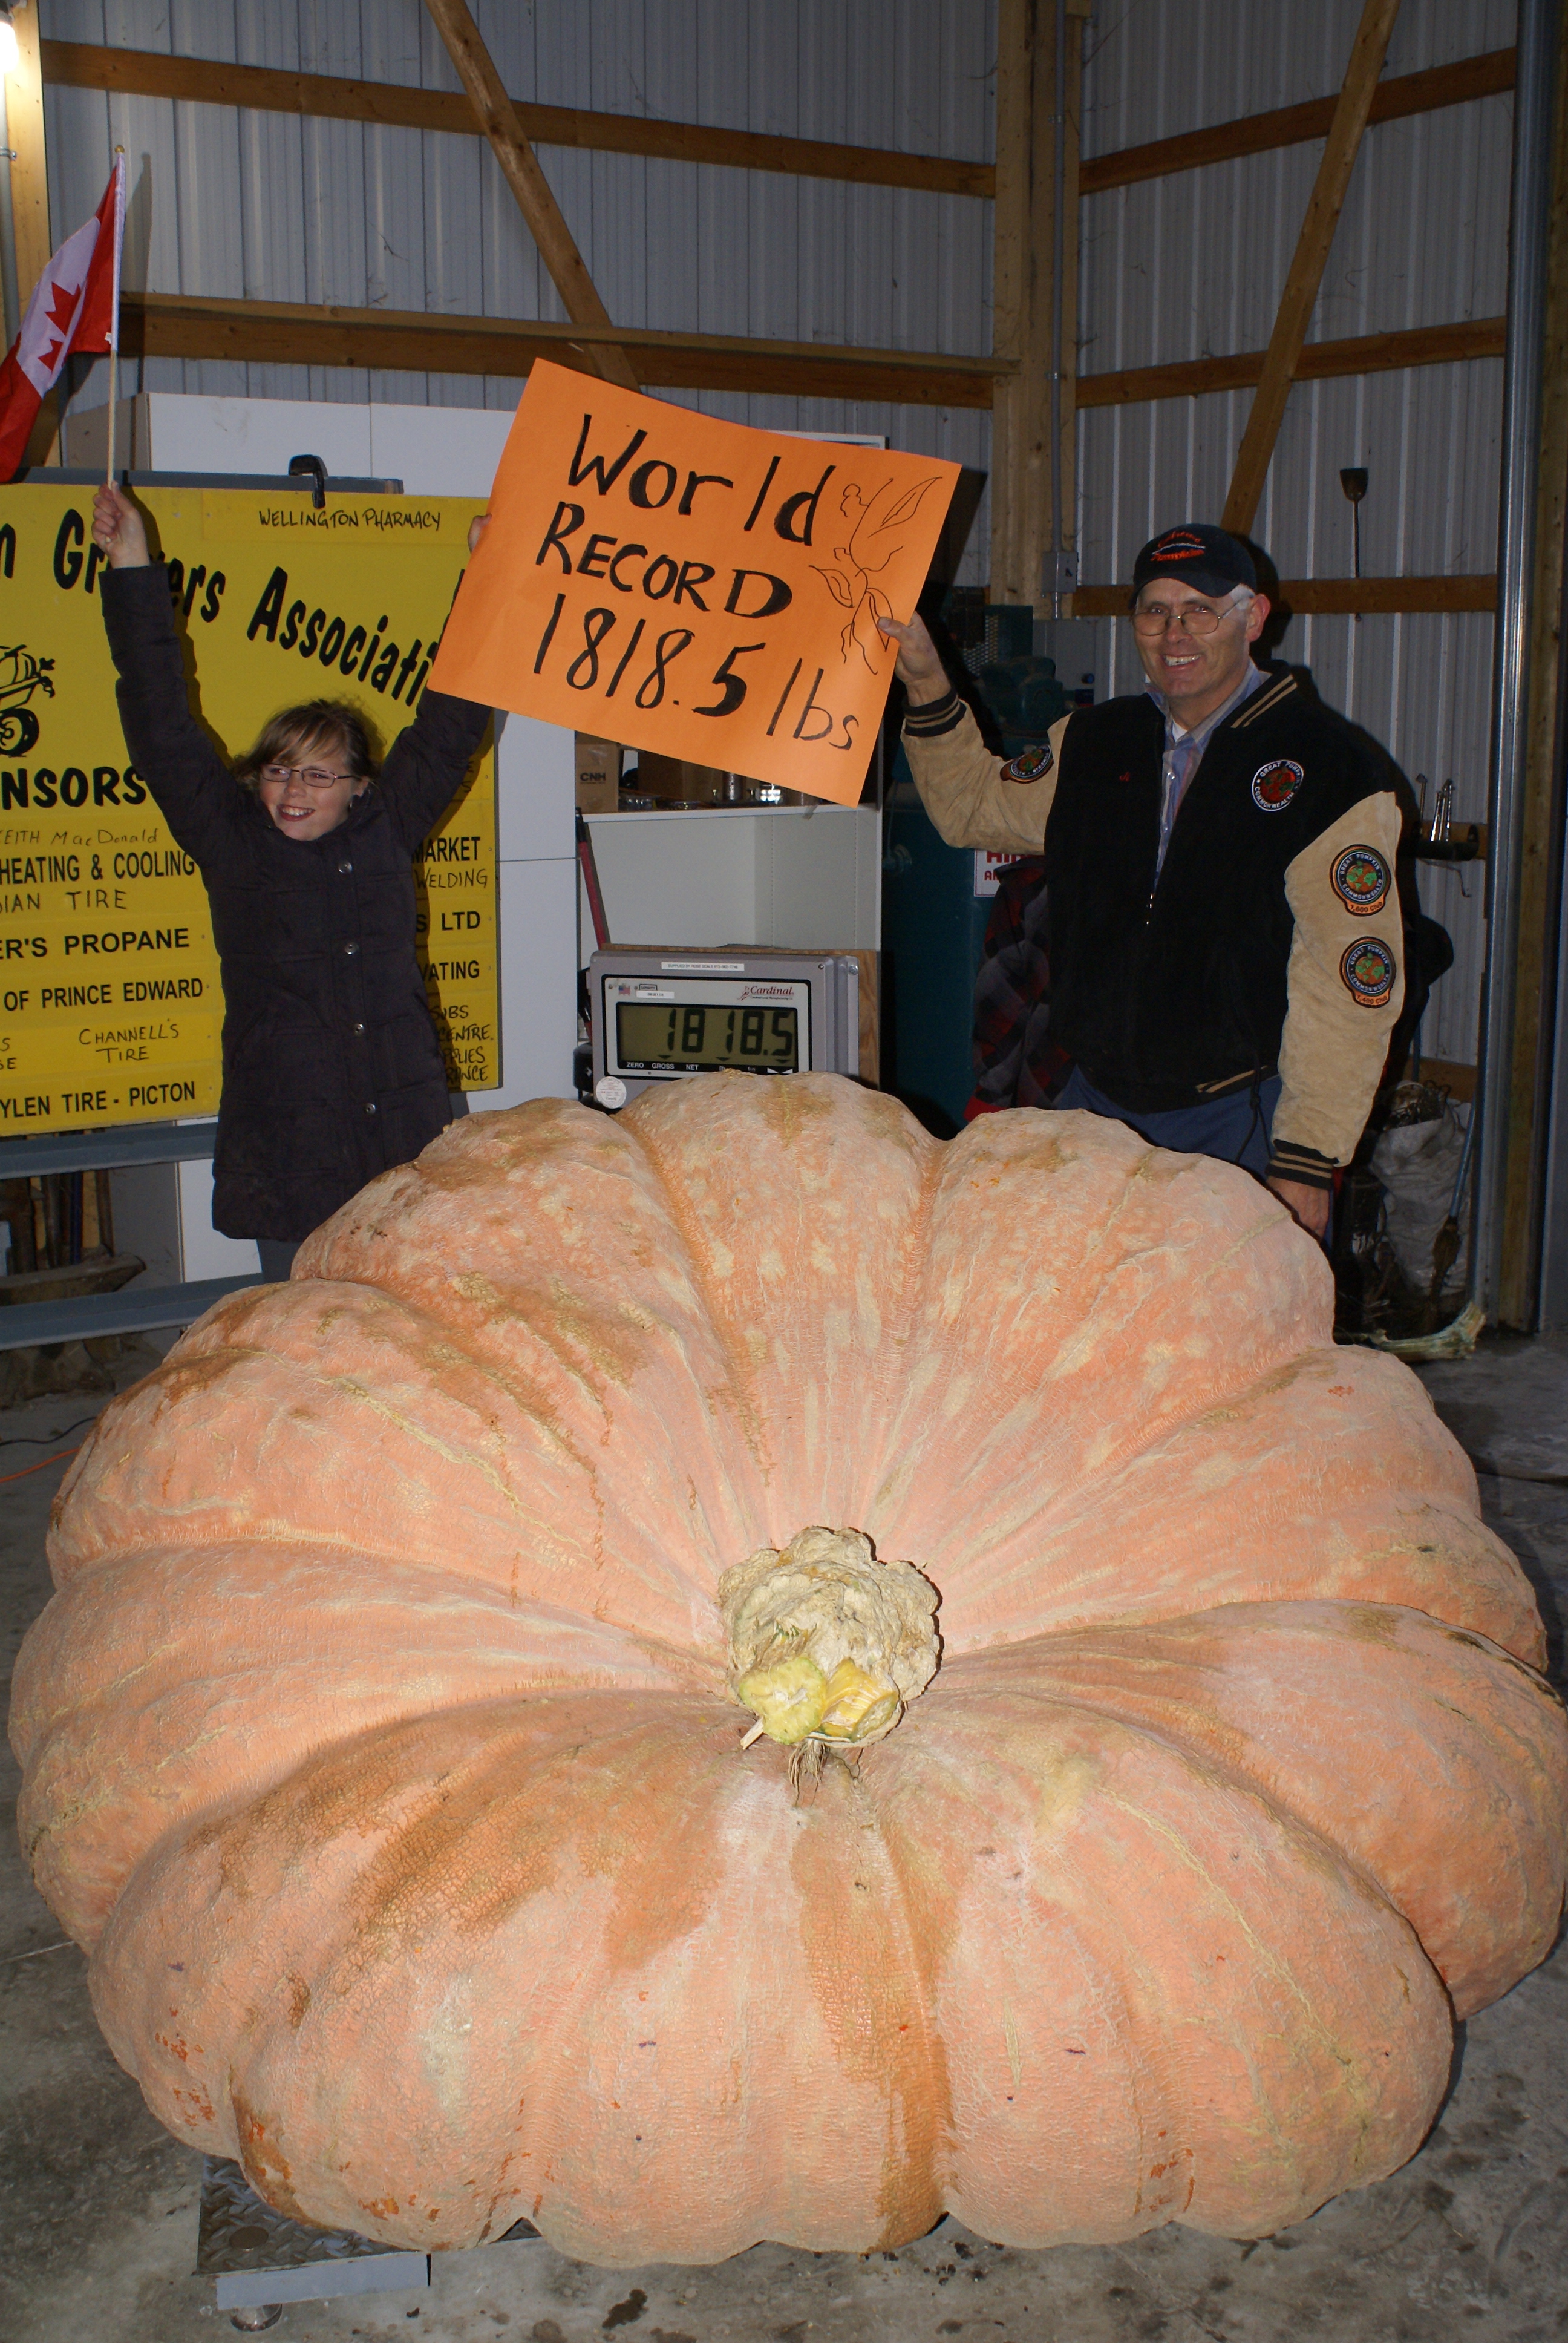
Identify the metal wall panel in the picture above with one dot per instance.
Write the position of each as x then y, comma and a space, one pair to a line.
319, 211
1176, 269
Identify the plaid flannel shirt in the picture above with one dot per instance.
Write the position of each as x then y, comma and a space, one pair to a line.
1015, 1062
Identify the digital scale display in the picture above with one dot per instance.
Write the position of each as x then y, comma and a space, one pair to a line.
692, 1037
663, 1013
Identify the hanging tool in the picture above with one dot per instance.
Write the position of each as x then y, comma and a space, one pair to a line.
1354, 481
590, 883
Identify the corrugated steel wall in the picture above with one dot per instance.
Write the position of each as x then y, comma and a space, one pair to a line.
341, 211
1192, 265
1173, 268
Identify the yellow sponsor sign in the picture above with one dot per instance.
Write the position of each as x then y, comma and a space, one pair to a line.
111, 1005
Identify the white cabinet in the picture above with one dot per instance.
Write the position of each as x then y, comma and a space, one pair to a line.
435, 451
787, 874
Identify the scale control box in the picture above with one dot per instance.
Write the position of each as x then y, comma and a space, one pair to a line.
663, 1011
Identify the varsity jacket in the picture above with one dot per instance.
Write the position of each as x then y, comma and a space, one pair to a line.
1268, 941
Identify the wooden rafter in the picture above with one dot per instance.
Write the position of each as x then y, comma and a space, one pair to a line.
1306, 274
1471, 338
284, 333
32, 243
185, 325
199, 325
212, 81
1487, 76
1025, 239
1334, 596
29, 174
207, 81
519, 167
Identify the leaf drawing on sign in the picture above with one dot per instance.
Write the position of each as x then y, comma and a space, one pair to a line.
869, 545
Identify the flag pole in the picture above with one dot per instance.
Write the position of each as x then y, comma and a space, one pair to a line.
114, 310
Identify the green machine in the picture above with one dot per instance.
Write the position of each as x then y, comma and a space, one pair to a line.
937, 899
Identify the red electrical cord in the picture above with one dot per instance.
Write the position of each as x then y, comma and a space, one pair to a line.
58, 1458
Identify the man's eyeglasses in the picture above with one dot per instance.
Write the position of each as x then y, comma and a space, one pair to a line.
310, 777
1196, 617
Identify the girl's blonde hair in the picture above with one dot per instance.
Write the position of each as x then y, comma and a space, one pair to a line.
326, 728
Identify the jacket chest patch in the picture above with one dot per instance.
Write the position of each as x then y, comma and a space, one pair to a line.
1361, 879
1367, 970
1274, 785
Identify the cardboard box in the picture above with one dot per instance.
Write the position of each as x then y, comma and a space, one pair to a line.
676, 782
598, 775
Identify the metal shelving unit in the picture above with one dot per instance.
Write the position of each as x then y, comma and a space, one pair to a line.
138, 1309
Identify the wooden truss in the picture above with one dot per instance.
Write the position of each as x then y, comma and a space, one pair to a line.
1012, 379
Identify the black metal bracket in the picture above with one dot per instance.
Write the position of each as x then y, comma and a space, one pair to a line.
1459, 846
311, 469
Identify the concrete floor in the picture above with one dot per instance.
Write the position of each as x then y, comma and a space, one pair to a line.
97, 2206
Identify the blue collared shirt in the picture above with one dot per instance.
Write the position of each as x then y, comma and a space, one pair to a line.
1184, 752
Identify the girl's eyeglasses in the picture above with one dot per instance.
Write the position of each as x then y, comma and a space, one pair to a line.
310, 777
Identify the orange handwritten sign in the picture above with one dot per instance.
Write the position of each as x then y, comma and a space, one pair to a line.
693, 588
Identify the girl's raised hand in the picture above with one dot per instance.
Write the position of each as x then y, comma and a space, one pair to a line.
118, 530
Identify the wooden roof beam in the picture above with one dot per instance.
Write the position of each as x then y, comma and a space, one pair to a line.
29, 168
1306, 272
284, 333
1490, 74
519, 167
211, 81
1023, 475
205, 325
1336, 596
1413, 346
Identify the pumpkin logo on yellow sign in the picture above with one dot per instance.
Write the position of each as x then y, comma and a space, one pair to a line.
21, 675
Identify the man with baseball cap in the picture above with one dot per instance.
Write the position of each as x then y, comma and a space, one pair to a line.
1220, 853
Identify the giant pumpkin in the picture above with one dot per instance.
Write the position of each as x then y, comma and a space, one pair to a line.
480, 1800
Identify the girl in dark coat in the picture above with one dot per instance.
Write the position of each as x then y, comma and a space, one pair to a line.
331, 1068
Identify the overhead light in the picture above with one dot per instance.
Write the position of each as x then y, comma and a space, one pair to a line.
10, 54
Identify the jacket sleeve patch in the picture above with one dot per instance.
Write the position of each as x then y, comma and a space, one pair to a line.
1367, 970
1274, 785
1361, 879
1030, 765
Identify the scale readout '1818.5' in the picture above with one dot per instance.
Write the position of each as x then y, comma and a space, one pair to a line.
701, 1038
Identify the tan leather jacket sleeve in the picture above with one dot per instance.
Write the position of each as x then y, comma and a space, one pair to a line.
1345, 985
961, 788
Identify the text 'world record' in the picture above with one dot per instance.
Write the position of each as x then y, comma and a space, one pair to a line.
693, 588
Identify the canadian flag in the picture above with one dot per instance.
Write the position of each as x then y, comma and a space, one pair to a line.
76, 307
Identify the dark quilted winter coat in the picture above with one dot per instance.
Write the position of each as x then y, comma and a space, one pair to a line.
331, 1069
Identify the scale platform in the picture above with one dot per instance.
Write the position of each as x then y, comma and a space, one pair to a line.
261, 2259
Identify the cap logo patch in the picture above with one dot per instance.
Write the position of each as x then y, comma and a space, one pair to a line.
1273, 785
1180, 545
1031, 765
1368, 972
1361, 880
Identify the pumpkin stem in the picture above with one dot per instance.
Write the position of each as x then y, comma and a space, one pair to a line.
827, 1645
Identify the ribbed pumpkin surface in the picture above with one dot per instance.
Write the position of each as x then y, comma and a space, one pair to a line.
377, 1742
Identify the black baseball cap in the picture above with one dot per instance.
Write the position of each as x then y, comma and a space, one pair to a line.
1210, 558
